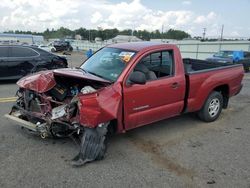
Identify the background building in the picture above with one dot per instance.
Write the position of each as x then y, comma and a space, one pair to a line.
125, 38
22, 38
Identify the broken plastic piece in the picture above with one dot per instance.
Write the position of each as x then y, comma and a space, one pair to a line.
93, 145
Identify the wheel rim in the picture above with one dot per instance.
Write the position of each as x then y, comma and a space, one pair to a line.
214, 107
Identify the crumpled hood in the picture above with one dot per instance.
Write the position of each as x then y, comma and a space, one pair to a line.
40, 82
44, 81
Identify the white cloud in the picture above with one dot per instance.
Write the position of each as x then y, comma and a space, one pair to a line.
37, 15
200, 19
186, 2
204, 19
96, 17
235, 34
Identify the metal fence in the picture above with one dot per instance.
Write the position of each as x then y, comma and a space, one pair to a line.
202, 50
191, 49
86, 45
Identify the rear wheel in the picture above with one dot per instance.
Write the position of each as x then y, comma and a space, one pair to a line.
212, 108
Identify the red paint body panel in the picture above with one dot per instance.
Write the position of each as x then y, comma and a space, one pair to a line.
140, 46
103, 106
44, 81
202, 84
40, 82
156, 100
78, 73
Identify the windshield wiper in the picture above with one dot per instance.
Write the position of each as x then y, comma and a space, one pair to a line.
83, 70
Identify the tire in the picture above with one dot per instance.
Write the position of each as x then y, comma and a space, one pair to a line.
70, 49
53, 50
212, 107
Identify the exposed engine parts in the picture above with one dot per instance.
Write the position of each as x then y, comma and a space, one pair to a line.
48, 114
56, 113
87, 89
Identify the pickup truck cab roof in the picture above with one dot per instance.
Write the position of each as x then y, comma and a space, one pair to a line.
140, 46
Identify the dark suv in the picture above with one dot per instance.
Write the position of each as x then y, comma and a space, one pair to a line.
62, 46
17, 61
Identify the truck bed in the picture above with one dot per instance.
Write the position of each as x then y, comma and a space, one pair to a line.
194, 65
202, 77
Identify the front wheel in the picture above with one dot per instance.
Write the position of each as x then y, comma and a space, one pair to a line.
53, 50
70, 49
212, 108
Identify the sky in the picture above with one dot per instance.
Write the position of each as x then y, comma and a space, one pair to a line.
187, 15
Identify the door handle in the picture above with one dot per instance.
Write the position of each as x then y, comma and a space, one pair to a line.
175, 85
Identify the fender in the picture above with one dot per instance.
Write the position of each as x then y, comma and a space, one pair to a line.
196, 102
102, 106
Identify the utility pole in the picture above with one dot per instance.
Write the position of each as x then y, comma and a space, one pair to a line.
221, 34
204, 33
162, 29
89, 35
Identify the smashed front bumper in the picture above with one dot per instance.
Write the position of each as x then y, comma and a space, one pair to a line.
39, 128
93, 140
21, 122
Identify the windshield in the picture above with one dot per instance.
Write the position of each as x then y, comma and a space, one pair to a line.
224, 54
108, 63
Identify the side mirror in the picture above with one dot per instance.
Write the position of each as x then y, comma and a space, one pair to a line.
137, 78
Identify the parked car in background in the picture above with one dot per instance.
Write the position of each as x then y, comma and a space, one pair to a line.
17, 61
62, 46
49, 47
232, 57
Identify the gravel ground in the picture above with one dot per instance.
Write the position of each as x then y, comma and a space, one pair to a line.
178, 152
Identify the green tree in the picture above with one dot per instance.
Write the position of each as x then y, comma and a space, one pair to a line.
106, 34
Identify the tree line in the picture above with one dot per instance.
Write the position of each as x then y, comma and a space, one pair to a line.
106, 34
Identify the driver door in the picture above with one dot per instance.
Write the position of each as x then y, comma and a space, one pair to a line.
157, 99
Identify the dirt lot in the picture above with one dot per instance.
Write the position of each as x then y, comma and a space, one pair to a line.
179, 152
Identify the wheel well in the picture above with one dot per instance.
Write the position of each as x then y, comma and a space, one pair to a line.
112, 128
224, 90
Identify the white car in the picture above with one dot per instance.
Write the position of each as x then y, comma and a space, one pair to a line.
49, 47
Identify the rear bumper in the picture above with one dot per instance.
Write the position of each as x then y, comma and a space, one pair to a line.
240, 88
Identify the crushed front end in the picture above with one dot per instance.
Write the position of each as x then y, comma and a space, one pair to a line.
49, 116
65, 103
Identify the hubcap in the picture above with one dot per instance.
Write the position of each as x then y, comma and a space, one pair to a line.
214, 107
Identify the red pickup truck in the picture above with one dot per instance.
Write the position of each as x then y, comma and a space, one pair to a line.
121, 87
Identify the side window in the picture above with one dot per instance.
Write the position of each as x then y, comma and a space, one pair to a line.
4, 52
23, 52
156, 65
167, 61
155, 59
